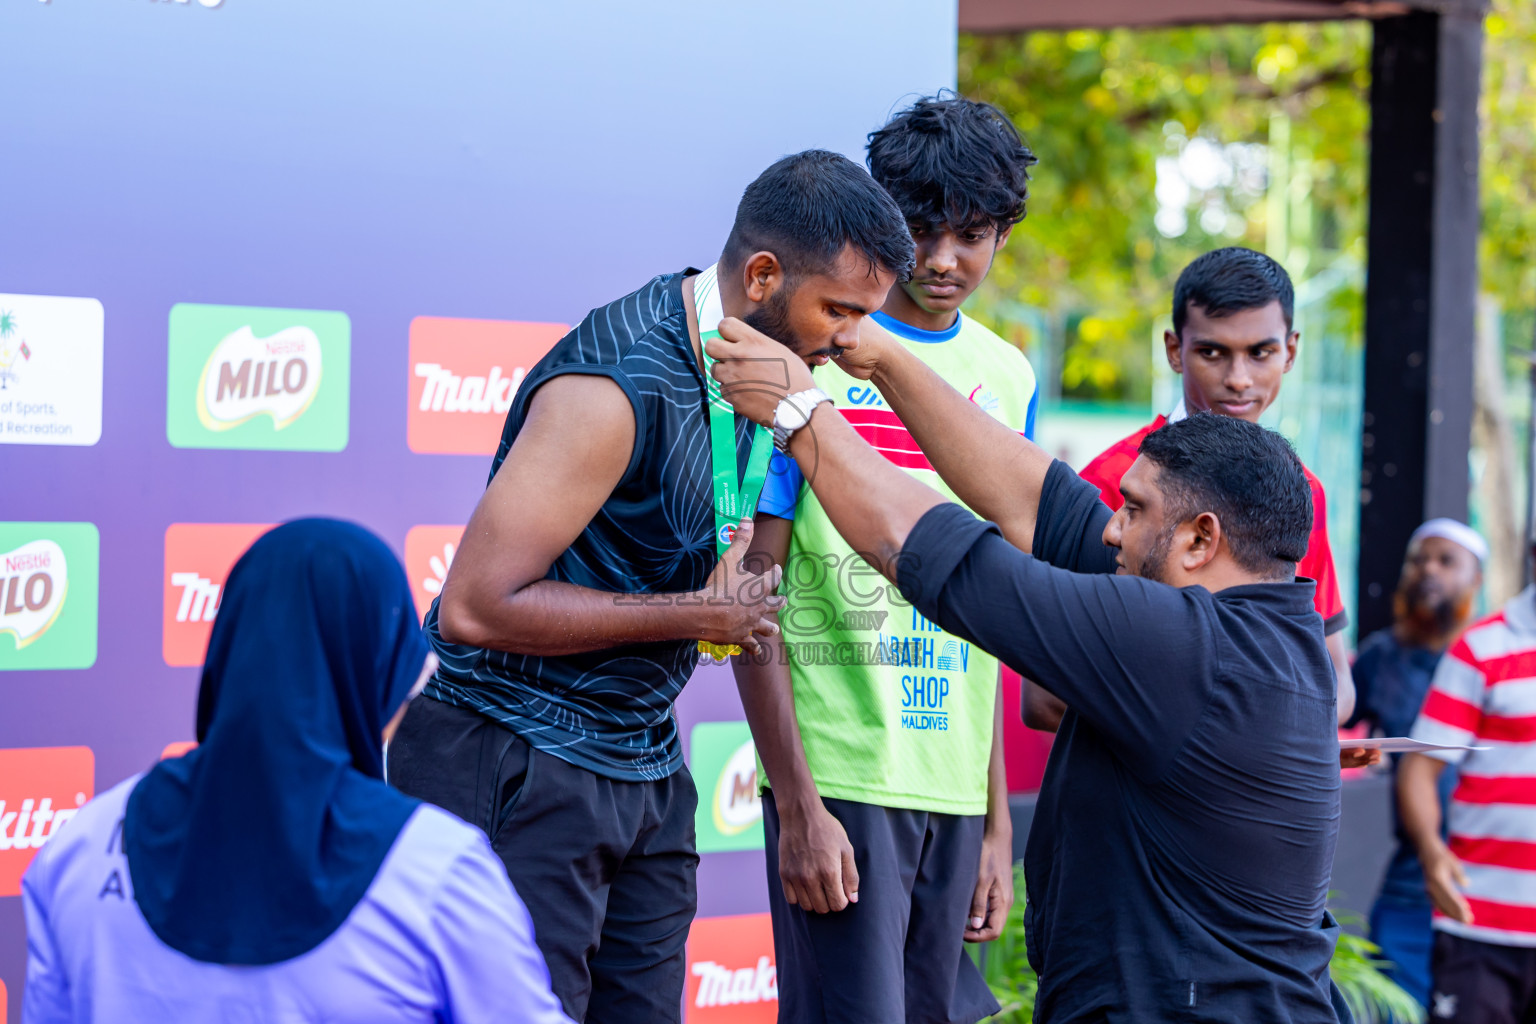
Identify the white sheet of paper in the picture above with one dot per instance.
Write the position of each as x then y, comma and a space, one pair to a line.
1399, 745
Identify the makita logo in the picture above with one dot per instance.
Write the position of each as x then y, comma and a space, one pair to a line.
40, 790
247, 376
198, 557
447, 392
731, 976
33, 581
464, 376
199, 597
720, 985
29, 825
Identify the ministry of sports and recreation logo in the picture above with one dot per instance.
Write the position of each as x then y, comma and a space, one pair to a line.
198, 557
252, 377
50, 370
48, 588
11, 348
41, 788
463, 377
723, 760
429, 552
731, 972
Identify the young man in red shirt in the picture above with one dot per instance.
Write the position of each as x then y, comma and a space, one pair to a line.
1233, 343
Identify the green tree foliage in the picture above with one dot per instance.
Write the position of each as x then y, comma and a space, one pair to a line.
1291, 101
1508, 159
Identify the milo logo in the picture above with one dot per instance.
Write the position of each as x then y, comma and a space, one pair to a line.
736, 805
722, 758
33, 581
253, 377
246, 376
48, 588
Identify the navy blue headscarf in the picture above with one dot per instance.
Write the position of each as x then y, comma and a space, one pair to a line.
254, 847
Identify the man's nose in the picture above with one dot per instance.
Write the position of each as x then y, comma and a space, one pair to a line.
940, 257
1112, 529
847, 338
1240, 376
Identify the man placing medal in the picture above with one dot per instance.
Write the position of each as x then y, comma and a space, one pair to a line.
599, 561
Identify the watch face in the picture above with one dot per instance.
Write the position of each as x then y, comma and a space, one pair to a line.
789, 415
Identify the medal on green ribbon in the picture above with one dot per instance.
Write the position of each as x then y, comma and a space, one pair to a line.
735, 496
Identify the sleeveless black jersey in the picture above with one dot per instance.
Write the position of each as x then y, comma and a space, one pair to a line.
610, 711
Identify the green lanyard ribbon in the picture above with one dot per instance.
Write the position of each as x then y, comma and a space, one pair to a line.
735, 496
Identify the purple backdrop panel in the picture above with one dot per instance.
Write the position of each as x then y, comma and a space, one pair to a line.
350, 184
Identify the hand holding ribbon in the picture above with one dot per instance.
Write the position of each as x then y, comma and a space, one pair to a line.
738, 602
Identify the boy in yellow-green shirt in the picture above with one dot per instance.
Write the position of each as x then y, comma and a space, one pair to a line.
889, 840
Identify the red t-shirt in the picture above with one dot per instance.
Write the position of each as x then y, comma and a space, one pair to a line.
1105, 471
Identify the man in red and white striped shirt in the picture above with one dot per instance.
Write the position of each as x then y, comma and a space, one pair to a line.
1483, 881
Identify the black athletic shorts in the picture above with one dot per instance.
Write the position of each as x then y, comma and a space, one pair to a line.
1482, 983
607, 869
899, 953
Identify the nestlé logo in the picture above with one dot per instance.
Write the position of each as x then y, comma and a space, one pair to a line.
246, 376
33, 581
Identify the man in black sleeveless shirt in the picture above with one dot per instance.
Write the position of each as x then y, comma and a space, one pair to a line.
570, 618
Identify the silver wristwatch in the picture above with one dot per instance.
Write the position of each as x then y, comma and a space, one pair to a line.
794, 411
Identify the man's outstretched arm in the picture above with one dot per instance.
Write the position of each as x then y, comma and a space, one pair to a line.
992, 469
873, 504
572, 451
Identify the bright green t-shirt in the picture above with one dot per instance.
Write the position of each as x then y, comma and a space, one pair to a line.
892, 710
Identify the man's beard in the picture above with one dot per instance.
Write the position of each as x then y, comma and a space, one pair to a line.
1154, 564
772, 318
1427, 616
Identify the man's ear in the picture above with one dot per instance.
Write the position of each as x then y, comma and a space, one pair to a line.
761, 276
1175, 350
1292, 340
1002, 238
1203, 538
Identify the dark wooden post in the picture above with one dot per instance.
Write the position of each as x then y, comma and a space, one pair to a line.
1421, 288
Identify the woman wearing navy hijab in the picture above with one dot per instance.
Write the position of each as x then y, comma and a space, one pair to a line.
271, 874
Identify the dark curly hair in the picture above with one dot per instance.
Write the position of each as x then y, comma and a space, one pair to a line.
950, 160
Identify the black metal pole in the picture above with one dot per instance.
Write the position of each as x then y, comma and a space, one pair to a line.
1421, 289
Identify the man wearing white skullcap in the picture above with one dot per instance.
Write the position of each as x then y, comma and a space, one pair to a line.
1441, 576
1479, 853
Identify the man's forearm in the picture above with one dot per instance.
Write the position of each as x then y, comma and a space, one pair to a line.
999, 818
768, 699
1042, 709
871, 503
1418, 800
995, 471
549, 618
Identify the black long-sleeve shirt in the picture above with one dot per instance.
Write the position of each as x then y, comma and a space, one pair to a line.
1181, 848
